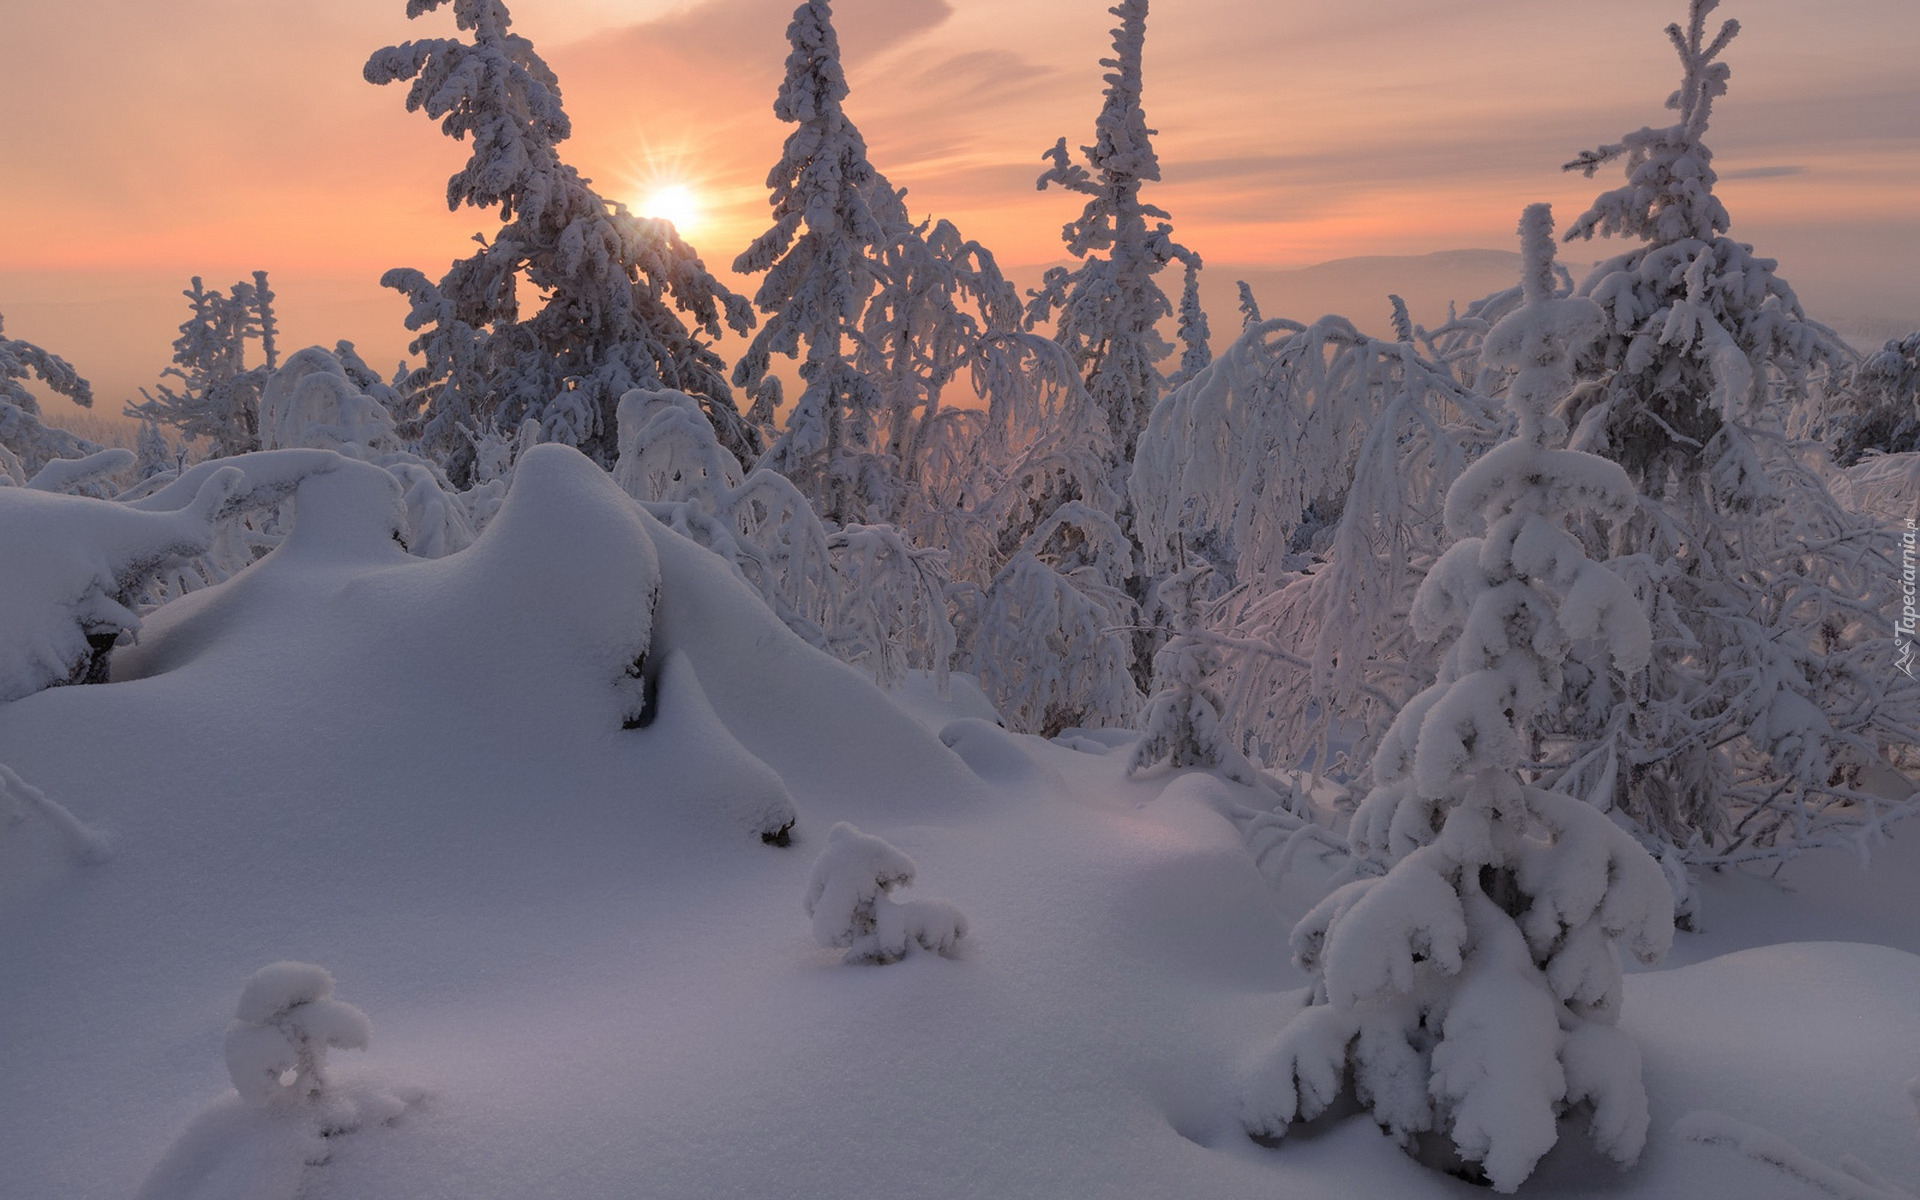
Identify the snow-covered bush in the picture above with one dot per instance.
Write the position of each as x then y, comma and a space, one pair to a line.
1884, 403
310, 401
76, 567
313, 401
1472, 993
1305, 465
1048, 640
27, 442
761, 524
850, 896
285, 1023
892, 614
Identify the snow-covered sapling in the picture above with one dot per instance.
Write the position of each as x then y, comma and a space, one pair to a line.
850, 898
285, 1022
1473, 992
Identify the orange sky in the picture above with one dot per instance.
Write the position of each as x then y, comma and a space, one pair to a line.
217, 136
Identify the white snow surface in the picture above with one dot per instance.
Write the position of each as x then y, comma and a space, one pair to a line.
590, 977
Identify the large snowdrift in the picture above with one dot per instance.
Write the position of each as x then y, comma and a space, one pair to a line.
513, 800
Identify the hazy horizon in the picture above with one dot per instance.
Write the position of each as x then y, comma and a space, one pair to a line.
228, 137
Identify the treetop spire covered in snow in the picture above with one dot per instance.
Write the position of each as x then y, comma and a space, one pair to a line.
1110, 308
1669, 194
1696, 322
834, 215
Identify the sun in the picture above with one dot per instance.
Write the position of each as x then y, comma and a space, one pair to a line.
674, 202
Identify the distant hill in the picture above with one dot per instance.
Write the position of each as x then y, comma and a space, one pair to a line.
1357, 288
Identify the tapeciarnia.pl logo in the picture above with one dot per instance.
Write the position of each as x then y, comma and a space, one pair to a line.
1903, 628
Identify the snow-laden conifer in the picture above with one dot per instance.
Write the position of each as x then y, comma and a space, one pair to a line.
218, 397
154, 455
1472, 993
851, 898
1183, 725
1107, 310
834, 216
1699, 329
1883, 403
27, 442
1768, 699
612, 287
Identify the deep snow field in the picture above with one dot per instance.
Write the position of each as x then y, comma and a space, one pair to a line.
588, 975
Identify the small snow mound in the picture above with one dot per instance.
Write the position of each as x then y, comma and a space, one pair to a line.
850, 898
999, 756
284, 1024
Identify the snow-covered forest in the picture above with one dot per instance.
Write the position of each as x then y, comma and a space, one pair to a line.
912, 730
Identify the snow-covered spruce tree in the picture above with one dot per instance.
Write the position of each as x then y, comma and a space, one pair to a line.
1768, 694
1182, 726
1108, 309
850, 896
1195, 350
1472, 993
834, 216
1700, 332
27, 442
219, 394
154, 455
611, 282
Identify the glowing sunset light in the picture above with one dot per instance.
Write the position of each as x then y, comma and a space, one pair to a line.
1384, 135
674, 202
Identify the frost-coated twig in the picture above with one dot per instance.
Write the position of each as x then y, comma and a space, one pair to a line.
83, 843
